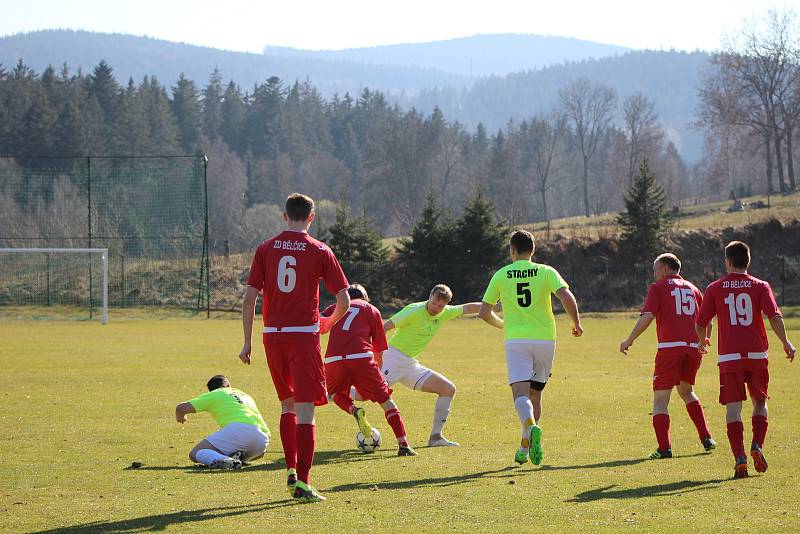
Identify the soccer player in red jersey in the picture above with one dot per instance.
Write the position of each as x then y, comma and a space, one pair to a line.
674, 303
739, 301
349, 361
288, 269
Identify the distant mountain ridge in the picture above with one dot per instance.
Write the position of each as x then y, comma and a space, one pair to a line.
478, 55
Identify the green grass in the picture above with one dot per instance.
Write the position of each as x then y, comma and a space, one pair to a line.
82, 401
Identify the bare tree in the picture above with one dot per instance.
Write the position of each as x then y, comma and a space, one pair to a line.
590, 108
641, 130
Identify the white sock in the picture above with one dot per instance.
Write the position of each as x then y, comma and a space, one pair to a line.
440, 413
525, 412
354, 394
208, 456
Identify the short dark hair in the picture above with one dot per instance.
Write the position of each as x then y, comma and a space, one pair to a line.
357, 291
522, 241
738, 253
299, 207
218, 381
670, 260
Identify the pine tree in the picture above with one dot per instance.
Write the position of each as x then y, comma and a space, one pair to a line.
646, 218
186, 107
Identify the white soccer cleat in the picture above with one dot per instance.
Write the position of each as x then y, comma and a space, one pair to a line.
226, 463
442, 442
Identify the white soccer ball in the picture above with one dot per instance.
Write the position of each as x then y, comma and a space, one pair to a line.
368, 443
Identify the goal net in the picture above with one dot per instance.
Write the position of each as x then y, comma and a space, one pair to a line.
65, 281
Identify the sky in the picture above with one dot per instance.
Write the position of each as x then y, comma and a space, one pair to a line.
248, 26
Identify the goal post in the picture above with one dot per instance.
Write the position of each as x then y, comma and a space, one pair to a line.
24, 277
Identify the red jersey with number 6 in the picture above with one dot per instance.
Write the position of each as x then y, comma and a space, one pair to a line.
288, 269
358, 332
738, 300
675, 303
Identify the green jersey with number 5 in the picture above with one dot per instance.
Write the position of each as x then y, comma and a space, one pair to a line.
524, 289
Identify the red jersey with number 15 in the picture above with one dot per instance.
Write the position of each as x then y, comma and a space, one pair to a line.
675, 302
288, 269
358, 332
738, 300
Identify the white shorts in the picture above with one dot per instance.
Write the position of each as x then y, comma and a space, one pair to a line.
529, 359
240, 437
398, 367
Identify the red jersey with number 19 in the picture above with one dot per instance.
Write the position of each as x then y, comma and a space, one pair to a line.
360, 331
288, 269
675, 303
738, 300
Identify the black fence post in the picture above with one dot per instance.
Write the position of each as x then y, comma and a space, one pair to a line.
89, 233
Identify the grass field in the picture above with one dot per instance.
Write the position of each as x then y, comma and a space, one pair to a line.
82, 401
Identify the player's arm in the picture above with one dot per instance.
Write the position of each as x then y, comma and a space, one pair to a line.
388, 325
342, 304
470, 308
487, 313
641, 325
182, 409
248, 313
571, 307
780, 330
703, 334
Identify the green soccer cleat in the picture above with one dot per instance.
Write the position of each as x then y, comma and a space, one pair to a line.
305, 493
291, 480
536, 453
658, 454
759, 460
406, 451
521, 456
363, 425
709, 444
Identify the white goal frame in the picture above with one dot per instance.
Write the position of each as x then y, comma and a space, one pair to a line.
102, 251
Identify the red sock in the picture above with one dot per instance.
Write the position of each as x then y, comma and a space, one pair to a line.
661, 426
736, 438
695, 410
396, 422
306, 441
760, 424
289, 438
344, 402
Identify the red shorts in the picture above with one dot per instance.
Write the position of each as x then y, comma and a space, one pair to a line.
363, 373
296, 370
675, 365
731, 385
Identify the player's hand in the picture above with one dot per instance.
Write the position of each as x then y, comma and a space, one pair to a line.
325, 324
790, 351
624, 346
703, 349
704, 343
577, 330
181, 418
245, 354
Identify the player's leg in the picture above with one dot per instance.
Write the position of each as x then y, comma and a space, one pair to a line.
278, 364
758, 393
691, 364
521, 393
395, 420
433, 382
661, 423
207, 454
731, 394
542, 353
371, 385
340, 378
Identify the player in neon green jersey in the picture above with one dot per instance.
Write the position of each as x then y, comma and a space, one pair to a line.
415, 325
243, 434
524, 288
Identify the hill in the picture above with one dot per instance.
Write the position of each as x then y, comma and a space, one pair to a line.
478, 55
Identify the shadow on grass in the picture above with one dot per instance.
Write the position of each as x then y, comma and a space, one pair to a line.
657, 490
320, 458
163, 521
432, 481
615, 463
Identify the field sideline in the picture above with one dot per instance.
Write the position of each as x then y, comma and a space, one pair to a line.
82, 401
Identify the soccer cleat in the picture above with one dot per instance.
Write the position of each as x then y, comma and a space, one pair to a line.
658, 454
406, 451
759, 460
740, 469
306, 493
241, 456
709, 444
226, 463
536, 453
521, 456
291, 480
361, 419
442, 442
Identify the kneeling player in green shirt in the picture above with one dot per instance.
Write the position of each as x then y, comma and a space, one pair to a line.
243, 434
524, 289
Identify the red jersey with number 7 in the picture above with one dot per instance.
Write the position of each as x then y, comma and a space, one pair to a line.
738, 300
360, 331
288, 269
675, 303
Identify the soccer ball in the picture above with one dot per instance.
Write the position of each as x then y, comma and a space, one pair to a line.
368, 443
